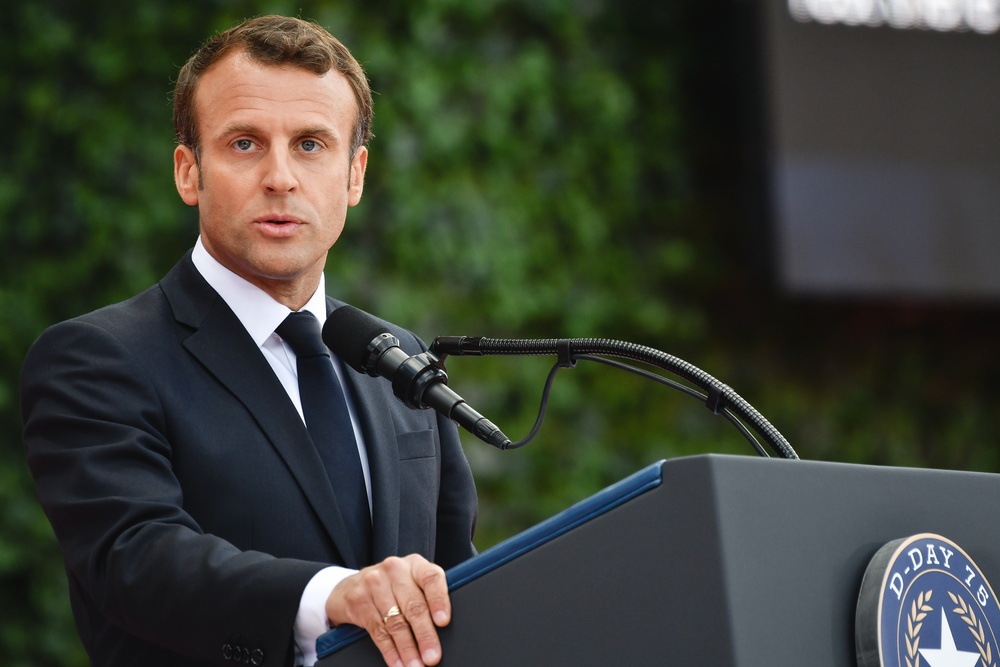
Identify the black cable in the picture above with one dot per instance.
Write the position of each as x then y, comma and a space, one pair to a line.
543, 406
725, 412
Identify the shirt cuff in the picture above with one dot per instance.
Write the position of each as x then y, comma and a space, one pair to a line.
311, 621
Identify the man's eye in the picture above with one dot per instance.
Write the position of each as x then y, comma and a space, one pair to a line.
310, 146
243, 144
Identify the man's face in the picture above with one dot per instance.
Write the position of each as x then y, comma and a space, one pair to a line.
275, 175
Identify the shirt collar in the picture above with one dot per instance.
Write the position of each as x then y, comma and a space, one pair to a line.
257, 310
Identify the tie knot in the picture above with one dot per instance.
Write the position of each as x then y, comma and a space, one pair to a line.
302, 333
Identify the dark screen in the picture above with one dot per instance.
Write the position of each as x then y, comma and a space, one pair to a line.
884, 157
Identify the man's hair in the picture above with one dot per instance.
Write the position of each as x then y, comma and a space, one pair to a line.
273, 40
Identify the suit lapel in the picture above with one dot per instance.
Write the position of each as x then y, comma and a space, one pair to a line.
383, 460
224, 347
374, 407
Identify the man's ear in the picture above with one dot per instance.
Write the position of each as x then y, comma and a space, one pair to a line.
356, 186
186, 174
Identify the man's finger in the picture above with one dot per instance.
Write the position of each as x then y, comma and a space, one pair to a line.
432, 581
396, 630
423, 597
389, 624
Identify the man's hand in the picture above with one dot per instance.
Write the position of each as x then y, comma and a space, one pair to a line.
400, 602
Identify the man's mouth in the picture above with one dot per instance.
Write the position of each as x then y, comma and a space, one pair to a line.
279, 226
279, 220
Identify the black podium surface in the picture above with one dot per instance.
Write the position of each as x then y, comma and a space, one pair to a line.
723, 560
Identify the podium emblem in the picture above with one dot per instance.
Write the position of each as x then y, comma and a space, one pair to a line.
925, 603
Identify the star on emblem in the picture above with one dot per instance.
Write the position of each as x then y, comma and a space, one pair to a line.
948, 655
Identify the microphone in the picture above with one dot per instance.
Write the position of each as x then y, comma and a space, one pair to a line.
419, 381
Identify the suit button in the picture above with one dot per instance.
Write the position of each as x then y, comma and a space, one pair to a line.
245, 655
227, 652
257, 657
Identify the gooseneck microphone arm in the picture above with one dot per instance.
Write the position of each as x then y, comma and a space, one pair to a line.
718, 397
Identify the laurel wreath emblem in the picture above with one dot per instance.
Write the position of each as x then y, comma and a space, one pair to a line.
914, 621
966, 613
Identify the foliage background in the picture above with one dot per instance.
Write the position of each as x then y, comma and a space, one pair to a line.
541, 168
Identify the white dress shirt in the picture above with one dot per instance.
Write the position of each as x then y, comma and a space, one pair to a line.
260, 314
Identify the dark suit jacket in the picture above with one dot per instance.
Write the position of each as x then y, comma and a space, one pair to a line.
189, 502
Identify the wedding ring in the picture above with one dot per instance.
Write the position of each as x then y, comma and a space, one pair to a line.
393, 611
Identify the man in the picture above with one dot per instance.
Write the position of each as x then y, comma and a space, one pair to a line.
167, 436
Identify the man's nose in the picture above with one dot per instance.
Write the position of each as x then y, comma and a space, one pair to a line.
279, 172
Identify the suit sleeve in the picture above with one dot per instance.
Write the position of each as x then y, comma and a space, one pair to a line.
97, 445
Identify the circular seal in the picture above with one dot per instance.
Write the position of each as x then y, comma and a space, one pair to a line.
924, 603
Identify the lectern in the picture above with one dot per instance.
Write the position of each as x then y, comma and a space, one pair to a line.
706, 560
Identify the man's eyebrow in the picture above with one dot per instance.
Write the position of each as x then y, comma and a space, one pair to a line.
241, 128
318, 131
312, 131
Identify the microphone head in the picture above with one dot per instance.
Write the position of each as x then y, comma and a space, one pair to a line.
348, 332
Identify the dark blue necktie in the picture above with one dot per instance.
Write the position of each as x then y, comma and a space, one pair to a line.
329, 423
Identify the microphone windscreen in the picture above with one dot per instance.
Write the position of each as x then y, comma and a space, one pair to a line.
348, 331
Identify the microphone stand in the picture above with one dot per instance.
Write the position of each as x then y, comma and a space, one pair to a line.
718, 397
